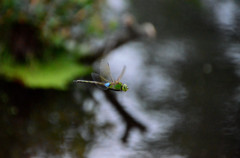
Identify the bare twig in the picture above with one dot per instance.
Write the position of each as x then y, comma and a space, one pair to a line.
130, 122
130, 32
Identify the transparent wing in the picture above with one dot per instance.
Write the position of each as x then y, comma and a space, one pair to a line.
122, 73
97, 77
105, 71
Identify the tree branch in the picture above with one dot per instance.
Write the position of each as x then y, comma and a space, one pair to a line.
130, 122
130, 32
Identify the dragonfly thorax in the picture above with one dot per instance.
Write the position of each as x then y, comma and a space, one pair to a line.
117, 86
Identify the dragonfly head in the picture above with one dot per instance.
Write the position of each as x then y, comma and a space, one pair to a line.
124, 87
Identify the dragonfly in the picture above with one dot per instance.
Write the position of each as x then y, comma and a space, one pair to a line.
104, 80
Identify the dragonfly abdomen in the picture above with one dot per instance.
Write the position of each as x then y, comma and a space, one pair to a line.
92, 82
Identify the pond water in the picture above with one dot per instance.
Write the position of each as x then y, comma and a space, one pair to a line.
183, 86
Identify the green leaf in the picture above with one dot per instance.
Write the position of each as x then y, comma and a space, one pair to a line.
57, 73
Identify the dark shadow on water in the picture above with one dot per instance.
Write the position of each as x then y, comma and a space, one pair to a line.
209, 124
35, 121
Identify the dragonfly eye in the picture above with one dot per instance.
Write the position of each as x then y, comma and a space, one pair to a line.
124, 87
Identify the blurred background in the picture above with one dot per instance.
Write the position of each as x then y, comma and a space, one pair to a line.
183, 70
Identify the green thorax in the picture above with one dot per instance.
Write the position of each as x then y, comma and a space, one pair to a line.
116, 86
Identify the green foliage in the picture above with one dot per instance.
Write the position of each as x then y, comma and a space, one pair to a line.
53, 17
52, 25
56, 73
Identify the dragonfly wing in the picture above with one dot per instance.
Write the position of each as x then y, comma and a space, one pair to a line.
105, 71
122, 73
97, 77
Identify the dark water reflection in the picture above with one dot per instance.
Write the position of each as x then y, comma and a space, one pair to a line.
207, 71
38, 122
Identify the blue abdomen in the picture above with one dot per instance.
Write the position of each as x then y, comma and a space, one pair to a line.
107, 84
